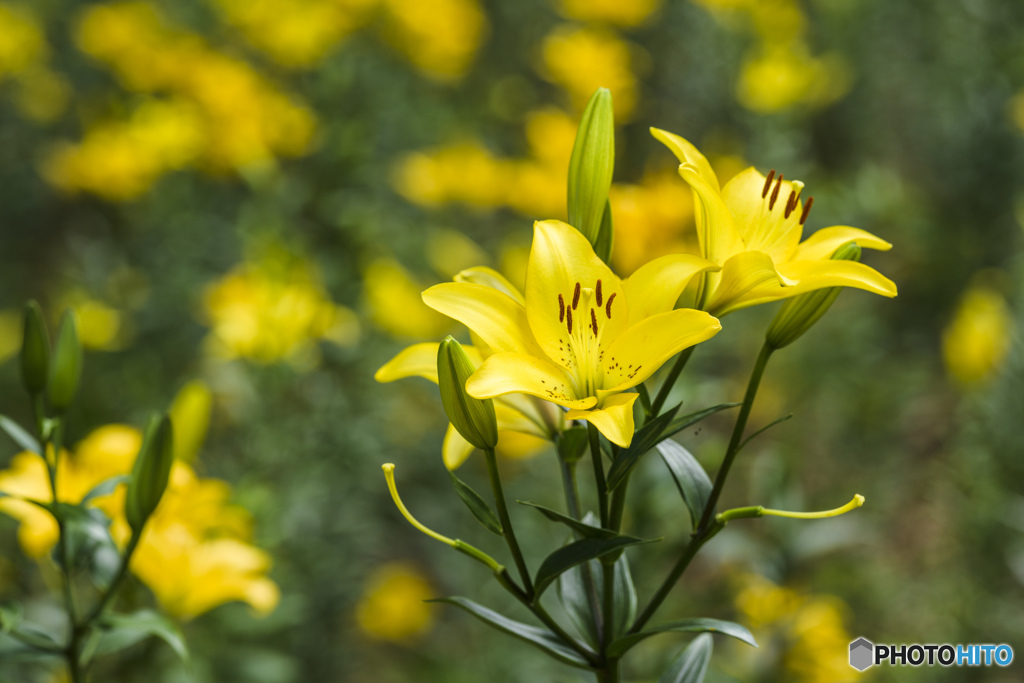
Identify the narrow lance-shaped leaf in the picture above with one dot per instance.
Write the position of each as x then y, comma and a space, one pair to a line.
575, 590
692, 663
691, 479
580, 527
643, 441
622, 645
35, 350
762, 430
576, 553
20, 436
476, 505
124, 630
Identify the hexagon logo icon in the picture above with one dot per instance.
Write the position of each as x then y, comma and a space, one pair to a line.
861, 654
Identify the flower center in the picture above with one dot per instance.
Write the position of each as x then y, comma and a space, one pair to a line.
584, 313
774, 213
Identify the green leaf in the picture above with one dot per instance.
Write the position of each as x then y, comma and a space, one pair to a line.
577, 552
88, 541
644, 440
684, 421
120, 631
10, 617
624, 595
572, 444
763, 429
622, 645
691, 479
692, 663
33, 637
20, 436
582, 528
476, 505
573, 590
105, 488
542, 638
605, 235
66, 364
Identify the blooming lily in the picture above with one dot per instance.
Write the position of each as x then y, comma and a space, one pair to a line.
581, 337
752, 229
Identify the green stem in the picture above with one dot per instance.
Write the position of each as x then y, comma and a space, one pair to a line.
602, 487
737, 436
618, 505
670, 381
608, 611
572, 502
506, 522
609, 674
122, 572
645, 400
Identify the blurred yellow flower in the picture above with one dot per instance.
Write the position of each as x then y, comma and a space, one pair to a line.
449, 251
583, 59
776, 77
394, 303
22, 42
273, 309
652, 219
392, 607
609, 11
42, 94
976, 342
439, 37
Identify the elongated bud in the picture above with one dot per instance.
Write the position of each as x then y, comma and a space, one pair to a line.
66, 369
472, 417
590, 171
151, 472
799, 313
35, 350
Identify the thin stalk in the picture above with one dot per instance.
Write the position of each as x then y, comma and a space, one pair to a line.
572, 502
610, 674
122, 572
572, 495
506, 522
737, 436
645, 400
602, 487
608, 594
618, 505
670, 381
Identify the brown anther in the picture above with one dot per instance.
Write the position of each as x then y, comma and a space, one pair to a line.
561, 309
568, 319
593, 321
775, 193
807, 210
790, 203
767, 183
576, 297
598, 291
608, 306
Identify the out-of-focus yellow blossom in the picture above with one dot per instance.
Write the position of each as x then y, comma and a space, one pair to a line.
449, 251
809, 629
776, 77
440, 37
583, 59
393, 299
274, 309
609, 11
194, 553
976, 342
22, 42
42, 94
100, 327
1017, 110
652, 219
296, 33
10, 333
392, 607
190, 414
121, 160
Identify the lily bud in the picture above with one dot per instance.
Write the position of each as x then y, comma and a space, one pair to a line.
66, 369
35, 350
150, 474
473, 418
799, 313
590, 172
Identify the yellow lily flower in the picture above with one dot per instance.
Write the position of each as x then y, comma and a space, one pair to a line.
518, 415
752, 229
581, 337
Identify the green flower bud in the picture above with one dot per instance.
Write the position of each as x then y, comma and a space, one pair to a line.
66, 369
590, 171
799, 313
150, 474
35, 350
473, 418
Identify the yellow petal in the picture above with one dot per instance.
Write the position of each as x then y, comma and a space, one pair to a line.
716, 232
482, 275
811, 275
511, 419
687, 154
455, 449
747, 279
561, 258
822, 244
760, 228
511, 373
614, 419
418, 360
495, 317
655, 286
645, 347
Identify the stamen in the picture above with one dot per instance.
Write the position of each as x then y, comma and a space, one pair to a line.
767, 183
593, 321
775, 193
608, 306
576, 297
598, 288
807, 210
568, 318
561, 309
790, 204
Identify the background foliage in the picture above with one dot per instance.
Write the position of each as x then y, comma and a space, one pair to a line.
253, 193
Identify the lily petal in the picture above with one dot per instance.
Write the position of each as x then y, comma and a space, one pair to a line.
614, 419
687, 153
716, 231
482, 275
511, 419
822, 244
493, 316
639, 351
760, 228
455, 449
418, 360
748, 278
655, 286
813, 275
513, 373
